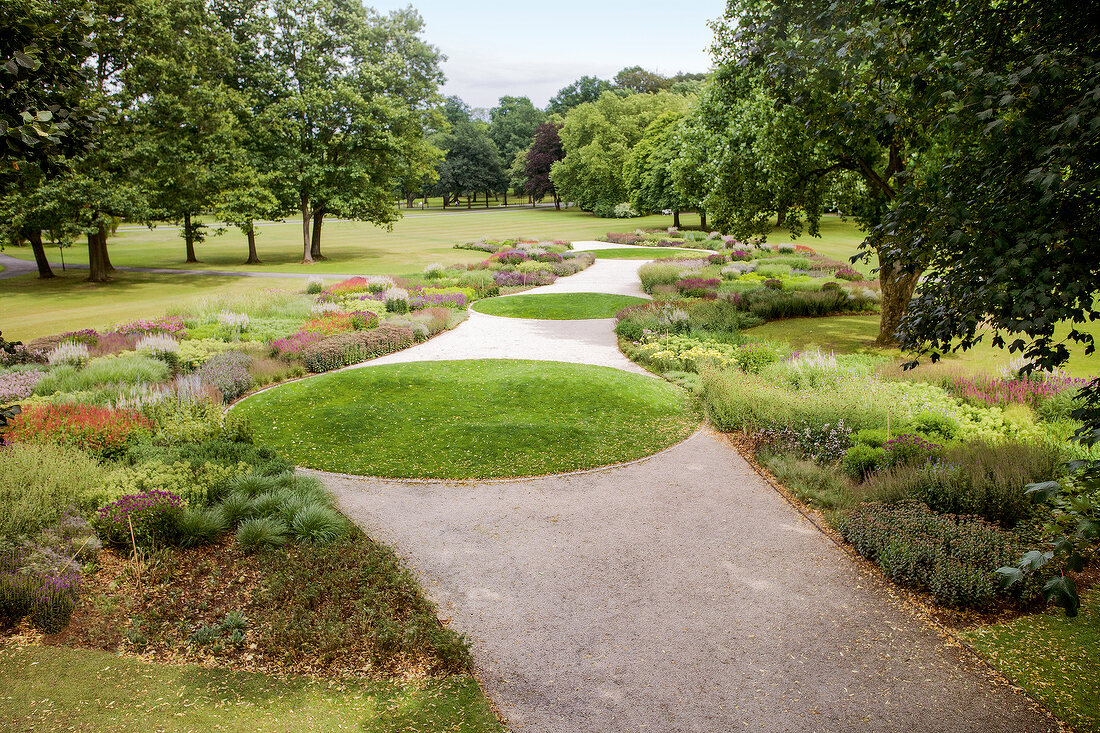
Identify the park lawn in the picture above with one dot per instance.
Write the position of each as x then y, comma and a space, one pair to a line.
1052, 657
469, 419
360, 248
57, 688
31, 307
645, 253
558, 306
856, 334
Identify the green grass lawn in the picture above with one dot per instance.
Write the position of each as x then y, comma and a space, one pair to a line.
55, 688
469, 419
1052, 657
856, 334
558, 306
30, 307
645, 253
352, 247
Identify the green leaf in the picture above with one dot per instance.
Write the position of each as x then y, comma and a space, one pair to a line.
1062, 591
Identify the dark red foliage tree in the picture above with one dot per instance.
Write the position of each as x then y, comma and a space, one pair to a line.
543, 153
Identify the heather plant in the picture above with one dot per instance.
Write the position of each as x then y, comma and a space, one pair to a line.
955, 558
823, 443
698, 287
171, 325
909, 450
69, 353
146, 519
101, 431
18, 383
294, 346
847, 273
39, 482
228, 372
38, 583
351, 348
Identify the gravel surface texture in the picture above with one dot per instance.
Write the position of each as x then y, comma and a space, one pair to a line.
679, 593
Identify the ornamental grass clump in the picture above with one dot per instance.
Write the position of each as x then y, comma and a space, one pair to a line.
69, 353
124, 369
148, 519
261, 532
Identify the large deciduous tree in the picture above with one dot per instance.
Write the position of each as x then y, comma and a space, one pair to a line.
597, 139
354, 92
585, 89
545, 151
472, 164
806, 90
512, 125
649, 172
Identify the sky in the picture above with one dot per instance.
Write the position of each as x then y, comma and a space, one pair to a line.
534, 49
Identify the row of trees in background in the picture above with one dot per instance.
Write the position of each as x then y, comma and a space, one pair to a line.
248, 109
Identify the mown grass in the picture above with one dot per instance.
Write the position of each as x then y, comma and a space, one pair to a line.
470, 419
30, 307
857, 334
55, 688
557, 306
645, 253
356, 247
1052, 657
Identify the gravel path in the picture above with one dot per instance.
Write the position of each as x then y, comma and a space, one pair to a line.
678, 593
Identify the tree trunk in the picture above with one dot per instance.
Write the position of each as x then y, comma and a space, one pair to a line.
445, 197
409, 201
189, 237
506, 197
315, 241
468, 201
557, 202
486, 199
898, 285
106, 252
781, 218
97, 256
702, 220
306, 214
253, 256
676, 218
35, 237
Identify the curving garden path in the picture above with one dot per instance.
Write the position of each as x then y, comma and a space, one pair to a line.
678, 593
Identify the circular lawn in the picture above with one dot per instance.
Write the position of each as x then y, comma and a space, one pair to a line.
557, 306
469, 419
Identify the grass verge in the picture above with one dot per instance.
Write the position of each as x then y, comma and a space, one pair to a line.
55, 688
645, 253
470, 419
1052, 657
557, 306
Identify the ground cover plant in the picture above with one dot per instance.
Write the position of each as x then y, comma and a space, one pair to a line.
558, 306
469, 419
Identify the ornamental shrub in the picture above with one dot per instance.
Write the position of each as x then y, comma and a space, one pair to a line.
847, 273
228, 372
314, 285
153, 515
509, 257
162, 347
101, 431
697, 287
861, 460
294, 346
40, 482
909, 449
955, 558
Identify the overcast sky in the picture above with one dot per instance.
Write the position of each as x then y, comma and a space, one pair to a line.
535, 49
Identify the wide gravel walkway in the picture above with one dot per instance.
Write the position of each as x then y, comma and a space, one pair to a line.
678, 593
